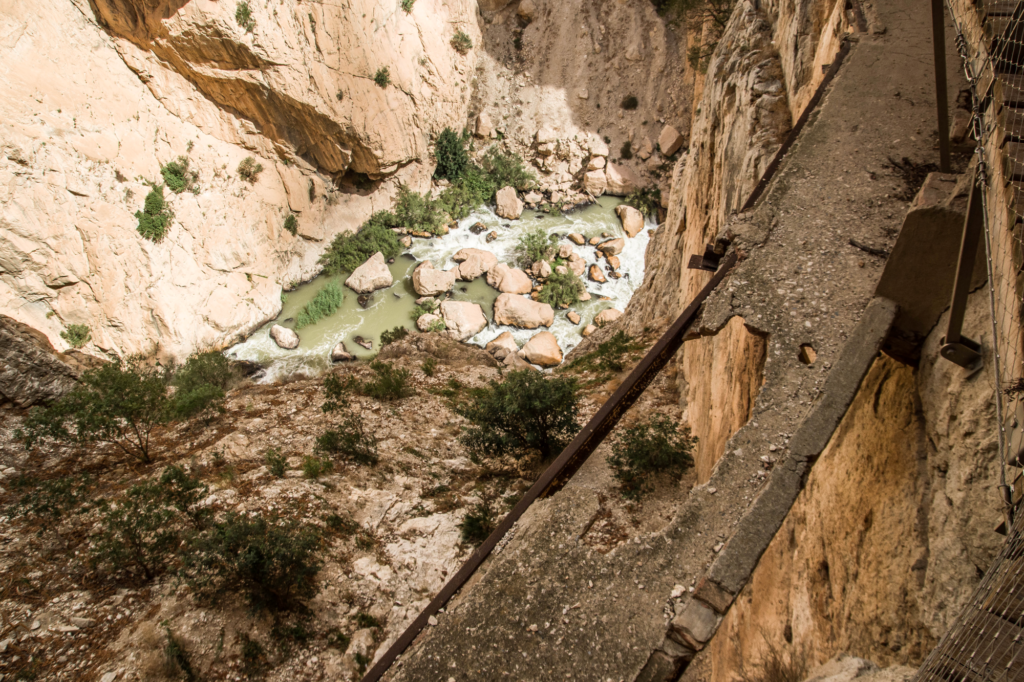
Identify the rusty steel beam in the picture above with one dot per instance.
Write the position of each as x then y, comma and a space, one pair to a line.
567, 463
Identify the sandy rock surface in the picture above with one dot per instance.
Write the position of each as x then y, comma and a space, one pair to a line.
473, 263
370, 276
430, 282
463, 319
509, 280
519, 311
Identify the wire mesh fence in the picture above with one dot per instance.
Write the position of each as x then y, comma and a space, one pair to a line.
986, 642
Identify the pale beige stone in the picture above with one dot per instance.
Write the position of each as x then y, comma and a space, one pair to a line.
509, 205
669, 141
598, 147
517, 311
504, 340
464, 319
484, 126
543, 350
565, 251
430, 282
578, 266
573, 317
423, 322
543, 269
632, 219
596, 275
596, 163
612, 247
370, 276
595, 182
577, 239
646, 149
284, 337
621, 180
533, 197
613, 261
473, 263
588, 330
607, 317
509, 280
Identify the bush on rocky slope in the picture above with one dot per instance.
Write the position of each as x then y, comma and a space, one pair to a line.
562, 290
179, 177
654, 446
155, 217
350, 250
527, 412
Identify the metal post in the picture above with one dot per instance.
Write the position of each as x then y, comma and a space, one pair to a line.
941, 96
956, 347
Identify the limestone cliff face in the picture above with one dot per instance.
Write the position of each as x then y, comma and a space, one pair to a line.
97, 96
892, 530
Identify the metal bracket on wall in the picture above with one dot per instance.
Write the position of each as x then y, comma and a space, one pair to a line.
956, 347
712, 257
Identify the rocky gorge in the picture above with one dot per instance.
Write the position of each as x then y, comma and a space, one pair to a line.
294, 122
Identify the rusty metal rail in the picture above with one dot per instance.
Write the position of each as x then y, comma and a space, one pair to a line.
567, 463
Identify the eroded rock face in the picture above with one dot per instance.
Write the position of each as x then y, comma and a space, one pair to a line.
473, 263
509, 280
543, 350
284, 337
463, 319
430, 282
370, 276
31, 370
518, 311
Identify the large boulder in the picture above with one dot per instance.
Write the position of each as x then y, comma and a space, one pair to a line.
669, 141
509, 280
596, 163
621, 180
543, 350
473, 263
607, 317
370, 276
284, 337
612, 247
632, 219
509, 204
595, 182
504, 340
484, 126
598, 147
565, 251
577, 238
430, 282
463, 319
578, 266
596, 275
341, 354
517, 311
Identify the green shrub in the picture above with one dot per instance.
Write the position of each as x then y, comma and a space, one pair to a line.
418, 212
507, 169
462, 42
428, 307
342, 525
390, 383
392, 335
350, 440
336, 639
276, 463
291, 224
155, 217
50, 502
626, 152
137, 533
436, 326
325, 303
477, 524
534, 246
183, 493
249, 169
201, 384
451, 155
314, 467
653, 446
562, 290
77, 335
630, 102
350, 250
365, 620
472, 190
525, 412
273, 561
254, 658
429, 366
407, 5
610, 356
243, 15
178, 177
118, 403
178, 658
645, 200
383, 77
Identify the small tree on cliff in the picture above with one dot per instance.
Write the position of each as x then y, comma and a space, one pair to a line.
525, 412
119, 403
